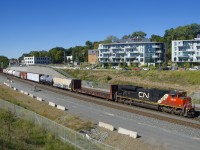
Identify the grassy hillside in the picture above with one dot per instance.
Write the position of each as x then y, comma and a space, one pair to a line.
183, 80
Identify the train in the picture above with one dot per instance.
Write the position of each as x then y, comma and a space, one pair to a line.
171, 101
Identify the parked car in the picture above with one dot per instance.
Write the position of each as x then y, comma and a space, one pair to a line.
126, 68
146, 69
136, 68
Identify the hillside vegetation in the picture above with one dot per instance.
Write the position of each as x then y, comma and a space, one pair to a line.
183, 80
18, 134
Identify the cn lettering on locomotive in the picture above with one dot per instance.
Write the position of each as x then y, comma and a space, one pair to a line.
143, 95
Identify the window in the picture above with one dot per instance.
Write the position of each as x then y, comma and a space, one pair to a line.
175, 43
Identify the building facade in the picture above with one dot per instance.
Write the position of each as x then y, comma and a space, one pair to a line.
36, 60
186, 50
92, 56
139, 53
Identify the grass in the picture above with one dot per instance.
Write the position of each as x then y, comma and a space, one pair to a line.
44, 109
17, 134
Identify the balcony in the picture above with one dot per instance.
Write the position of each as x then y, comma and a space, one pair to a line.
183, 55
190, 50
156, 46
159, 51
154, 56
136, 61
159, 61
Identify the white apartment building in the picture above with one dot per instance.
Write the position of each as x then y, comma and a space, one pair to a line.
186, 50
140, 53
36, 60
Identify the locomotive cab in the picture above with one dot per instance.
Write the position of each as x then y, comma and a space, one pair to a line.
180, 102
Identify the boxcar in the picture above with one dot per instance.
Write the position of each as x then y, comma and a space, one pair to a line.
33, 76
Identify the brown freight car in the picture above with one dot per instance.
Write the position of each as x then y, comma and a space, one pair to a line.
23, 75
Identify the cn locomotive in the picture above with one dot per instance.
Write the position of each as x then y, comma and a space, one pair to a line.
171, 101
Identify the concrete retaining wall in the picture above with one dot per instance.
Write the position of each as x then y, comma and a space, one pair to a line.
21, 91
52, 104
107, 126
127, 132
31, 95
39, 99
61, 107
26, 93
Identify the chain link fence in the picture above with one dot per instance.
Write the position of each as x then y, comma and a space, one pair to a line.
60, 132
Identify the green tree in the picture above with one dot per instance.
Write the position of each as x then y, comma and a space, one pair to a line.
139, 34
156, 38
111, 39
89, 45
4, 62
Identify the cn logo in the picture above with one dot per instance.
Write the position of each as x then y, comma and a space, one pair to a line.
143, 95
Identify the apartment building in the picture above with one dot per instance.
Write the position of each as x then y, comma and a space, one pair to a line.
92, 56
36, 60
130, 52
186, 50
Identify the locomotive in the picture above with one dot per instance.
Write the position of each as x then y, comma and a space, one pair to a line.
171, 101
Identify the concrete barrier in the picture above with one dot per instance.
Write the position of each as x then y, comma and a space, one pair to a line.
39, 99
31, 95
21, 91
15, 89
52, 104
61, 107
26, 93
107, 126
10, 86
127, 132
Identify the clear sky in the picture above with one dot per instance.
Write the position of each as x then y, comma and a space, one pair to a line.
27, 25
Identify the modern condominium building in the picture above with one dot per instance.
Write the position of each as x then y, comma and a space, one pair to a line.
186, 50
141, 53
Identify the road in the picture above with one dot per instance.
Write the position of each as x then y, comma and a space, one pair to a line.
159, 133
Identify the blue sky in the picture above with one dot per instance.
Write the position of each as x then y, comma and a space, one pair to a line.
27, 25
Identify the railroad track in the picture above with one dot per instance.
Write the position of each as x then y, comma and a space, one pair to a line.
118, 106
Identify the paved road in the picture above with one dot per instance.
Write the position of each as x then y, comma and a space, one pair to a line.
152, 131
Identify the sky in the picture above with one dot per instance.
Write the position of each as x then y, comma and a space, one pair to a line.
34, 25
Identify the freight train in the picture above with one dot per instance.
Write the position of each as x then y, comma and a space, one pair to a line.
171, 101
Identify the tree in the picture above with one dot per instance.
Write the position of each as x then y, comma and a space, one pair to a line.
89, 45
111, 39
57, 54
139, 34
156, 38
4, 62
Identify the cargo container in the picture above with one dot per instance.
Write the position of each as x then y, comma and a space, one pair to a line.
16, 73
33, 76
23, 75
67, 83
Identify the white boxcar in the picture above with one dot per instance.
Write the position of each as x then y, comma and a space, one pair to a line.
33, 76
16, 73
62, 83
